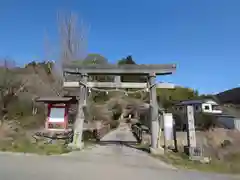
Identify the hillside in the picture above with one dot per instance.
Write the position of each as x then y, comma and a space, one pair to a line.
41, 79
37, 81
231, 96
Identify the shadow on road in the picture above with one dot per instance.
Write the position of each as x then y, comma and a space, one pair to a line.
130, 144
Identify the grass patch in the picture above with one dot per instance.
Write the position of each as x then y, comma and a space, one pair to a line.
181, 160
143, 147
26, 146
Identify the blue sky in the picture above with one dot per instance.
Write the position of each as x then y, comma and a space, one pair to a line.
201, 36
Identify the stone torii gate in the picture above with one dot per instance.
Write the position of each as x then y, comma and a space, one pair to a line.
76, 76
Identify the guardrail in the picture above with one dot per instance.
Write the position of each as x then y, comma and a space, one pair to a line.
99, 133
138, 131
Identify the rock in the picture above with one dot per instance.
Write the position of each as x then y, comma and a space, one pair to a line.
158, 151
226, 143
205, 160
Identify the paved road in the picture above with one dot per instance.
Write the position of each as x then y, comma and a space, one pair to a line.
122, 133
106, 162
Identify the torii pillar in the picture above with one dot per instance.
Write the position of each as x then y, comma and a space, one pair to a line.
78, 126
153, 113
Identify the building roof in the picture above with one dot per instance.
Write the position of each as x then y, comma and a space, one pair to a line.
189, 102
226, 111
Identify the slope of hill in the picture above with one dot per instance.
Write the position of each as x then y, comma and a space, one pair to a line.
231, 96
35, 79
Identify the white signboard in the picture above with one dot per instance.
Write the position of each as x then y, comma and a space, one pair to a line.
168, 126
57, 115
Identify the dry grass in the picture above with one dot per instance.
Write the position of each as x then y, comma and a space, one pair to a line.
221, 143
25, 146
19, 142
14, 138
180, 160
223, 146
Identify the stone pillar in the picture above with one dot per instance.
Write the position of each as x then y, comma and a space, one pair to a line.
78, 126
153, 111
191, 133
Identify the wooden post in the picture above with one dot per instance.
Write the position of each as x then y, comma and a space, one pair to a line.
191, 134
154, 111
78, 126
117, 80
164, 136
175, 136
160, 129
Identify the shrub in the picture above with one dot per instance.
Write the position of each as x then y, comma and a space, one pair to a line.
205, 121
19, 108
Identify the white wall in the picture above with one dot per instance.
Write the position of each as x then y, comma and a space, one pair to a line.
210, 108
201, 107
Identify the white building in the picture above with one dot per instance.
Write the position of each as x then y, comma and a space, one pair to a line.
227, 117
204, 106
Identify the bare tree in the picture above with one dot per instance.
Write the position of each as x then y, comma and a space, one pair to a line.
72, 37
48, 48
10, 86
48, 76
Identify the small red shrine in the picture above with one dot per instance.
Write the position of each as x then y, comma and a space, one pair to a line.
57, 112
